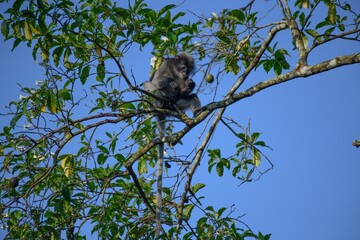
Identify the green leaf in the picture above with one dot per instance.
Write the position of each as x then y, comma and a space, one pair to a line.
100, 72
67, 54
236, 170
57, 55
255, 136
104, 149
237, 14
127, 105
221, 211
187, 211
223, 37
197, 187
220, 169
101, 158
312, 32
231, 65
120, 158
84, 74
341, 27
66, 194
166, 9
5, 29
51, 102
302, 19
17, 5
65, 94
267, 65
142, 166
321, 24
42, 24
225, 162
178, 15
277, 68
16, 43
260, 143
214, 153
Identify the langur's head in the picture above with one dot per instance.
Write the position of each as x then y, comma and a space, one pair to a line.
185, 64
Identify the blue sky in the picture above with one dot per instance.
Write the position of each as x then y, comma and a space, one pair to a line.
313, 192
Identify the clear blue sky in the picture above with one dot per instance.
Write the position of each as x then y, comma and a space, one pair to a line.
314, 190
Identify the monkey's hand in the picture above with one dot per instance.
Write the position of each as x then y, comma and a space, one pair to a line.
189, 87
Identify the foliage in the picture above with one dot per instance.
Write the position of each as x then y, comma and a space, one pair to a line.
86, 157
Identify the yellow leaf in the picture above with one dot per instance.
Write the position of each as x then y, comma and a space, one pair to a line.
67, 165
64, 161
305, 4
187, 211
256, 158
27, 31
33, 29
68, 136
332, 13
52, 102
68, 171
305, 40
44, 55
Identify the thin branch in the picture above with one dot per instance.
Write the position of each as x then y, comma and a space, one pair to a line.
302, 72
139, 188
331, 38
279, 27
197, 161
297, 37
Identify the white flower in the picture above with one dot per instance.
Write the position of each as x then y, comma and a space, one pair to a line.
39, 82
20, 148
214, 15
38, 157
28, 125
21, 97
196, 44
163, 38
152, 62
3, 227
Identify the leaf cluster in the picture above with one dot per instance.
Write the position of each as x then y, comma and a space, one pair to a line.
86, 155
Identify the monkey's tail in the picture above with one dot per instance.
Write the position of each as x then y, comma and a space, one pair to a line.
160, 163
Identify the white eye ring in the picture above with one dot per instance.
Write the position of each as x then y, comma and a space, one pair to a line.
183, 69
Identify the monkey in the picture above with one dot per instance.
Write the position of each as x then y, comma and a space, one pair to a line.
14, 182
172, 83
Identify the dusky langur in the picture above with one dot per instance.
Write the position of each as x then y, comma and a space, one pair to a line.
172, 83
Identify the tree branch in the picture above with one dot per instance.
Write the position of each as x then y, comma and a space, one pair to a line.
139, 188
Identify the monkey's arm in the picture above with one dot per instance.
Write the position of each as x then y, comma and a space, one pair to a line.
166, 88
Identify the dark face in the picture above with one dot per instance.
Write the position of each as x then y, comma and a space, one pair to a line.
185, 67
